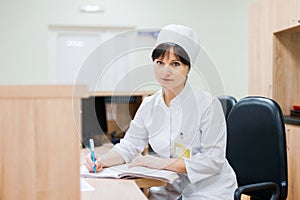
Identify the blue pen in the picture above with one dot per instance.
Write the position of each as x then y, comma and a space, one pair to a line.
93, 153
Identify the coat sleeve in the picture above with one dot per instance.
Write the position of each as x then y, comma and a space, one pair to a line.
211, 158
136, 137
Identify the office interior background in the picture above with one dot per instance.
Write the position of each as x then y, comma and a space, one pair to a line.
27, 32
44, 42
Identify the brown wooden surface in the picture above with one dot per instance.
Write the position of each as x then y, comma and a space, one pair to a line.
286, 89
260, 48
274, 64
286, 9
124, 93
274, 67
287, 14
42, 91
293, 151
147, 182
17, 143
245, 197
39, 142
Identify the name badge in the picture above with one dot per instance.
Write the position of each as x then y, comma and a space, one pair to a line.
181, 151
181, 147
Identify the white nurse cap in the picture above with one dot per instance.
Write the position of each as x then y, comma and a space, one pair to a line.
182, 36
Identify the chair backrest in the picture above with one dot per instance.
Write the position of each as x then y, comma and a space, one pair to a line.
256, 143
227, 103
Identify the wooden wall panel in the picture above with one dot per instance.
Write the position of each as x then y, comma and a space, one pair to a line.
260, 48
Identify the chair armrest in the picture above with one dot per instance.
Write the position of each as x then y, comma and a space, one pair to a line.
257, 186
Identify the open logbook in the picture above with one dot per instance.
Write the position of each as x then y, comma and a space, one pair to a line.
122, 171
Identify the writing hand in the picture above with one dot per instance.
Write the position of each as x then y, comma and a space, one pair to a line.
90, 164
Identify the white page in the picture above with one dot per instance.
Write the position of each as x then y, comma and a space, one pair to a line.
120, 171
139, 171
104, 173
84, 186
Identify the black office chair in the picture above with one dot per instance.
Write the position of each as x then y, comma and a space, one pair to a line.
227, 103
256, 148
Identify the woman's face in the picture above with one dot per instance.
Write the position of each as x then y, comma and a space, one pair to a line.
170, 72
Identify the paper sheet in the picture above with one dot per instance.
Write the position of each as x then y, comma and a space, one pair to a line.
84, 186
123, 171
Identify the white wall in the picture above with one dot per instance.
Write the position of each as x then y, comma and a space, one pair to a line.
24, 29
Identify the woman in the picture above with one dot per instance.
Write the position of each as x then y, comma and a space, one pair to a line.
185, 127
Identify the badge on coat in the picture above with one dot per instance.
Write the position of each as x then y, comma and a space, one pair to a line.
182, 147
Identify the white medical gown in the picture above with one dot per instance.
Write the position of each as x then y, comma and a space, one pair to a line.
196, 118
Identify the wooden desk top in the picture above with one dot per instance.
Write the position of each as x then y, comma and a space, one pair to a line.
112, 189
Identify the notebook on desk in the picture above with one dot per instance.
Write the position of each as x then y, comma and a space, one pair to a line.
122, 171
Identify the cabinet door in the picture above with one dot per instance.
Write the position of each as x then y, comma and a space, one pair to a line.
297, 12
293, 154
260, 49
286, 12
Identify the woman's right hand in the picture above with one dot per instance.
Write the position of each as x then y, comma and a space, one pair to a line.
90, 164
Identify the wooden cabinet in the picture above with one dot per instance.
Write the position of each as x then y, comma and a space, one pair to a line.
274, 64
293, 153
261, 48
274, 67
285, 10
287, 14
286, 69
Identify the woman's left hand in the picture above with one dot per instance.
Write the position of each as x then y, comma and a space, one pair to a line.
151, 162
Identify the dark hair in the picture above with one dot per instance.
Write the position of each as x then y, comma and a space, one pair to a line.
161, 50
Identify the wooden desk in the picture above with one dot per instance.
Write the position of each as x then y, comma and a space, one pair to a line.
142, 183
112, 189
146, 183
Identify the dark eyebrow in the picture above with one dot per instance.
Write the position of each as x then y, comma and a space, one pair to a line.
175, 61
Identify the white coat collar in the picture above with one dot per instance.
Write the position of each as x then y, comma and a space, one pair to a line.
180, 98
